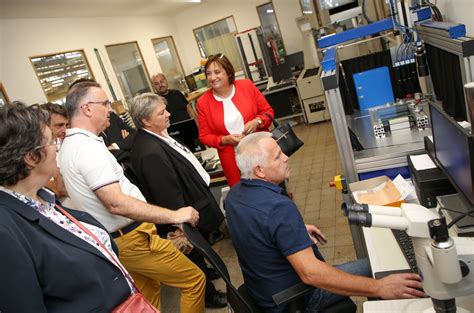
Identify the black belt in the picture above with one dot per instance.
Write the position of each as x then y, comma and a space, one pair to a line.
125, 230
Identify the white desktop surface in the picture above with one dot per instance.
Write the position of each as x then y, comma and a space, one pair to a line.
385, 255
414, 305
383, 250
209, 154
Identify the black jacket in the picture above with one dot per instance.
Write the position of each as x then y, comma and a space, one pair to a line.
113, 134
45, 268
169, 180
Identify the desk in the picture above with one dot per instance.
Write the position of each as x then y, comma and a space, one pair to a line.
414, 306
285, 101
386, 257
196, 94
218, 181
383, 251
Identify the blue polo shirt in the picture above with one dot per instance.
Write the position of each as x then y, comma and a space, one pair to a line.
265, 227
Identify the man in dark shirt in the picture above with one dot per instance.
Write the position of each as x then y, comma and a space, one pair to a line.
179, 108
183, 116
275, 247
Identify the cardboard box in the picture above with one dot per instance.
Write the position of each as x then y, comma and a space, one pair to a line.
377, 191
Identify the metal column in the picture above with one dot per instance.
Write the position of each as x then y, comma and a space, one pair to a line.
339, 124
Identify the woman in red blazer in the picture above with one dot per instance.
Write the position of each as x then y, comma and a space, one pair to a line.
228, 111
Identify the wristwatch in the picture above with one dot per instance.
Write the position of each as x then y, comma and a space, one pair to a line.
259, 122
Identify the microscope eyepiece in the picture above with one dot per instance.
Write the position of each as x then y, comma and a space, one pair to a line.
355, 207
360, 218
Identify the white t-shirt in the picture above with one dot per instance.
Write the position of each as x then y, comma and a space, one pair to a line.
87, 165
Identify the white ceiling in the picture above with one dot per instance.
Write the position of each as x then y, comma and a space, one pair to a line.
92, 8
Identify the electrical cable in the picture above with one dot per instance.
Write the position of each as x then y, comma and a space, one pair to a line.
460, 217
437, 16
364, 13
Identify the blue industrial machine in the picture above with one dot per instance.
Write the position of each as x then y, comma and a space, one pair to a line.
430, 63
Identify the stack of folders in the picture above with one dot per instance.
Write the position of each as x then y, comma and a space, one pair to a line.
399, 125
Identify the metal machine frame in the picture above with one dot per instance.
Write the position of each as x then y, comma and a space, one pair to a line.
462, 47
386, 157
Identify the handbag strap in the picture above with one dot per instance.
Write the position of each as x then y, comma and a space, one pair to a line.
87, 231
275, 123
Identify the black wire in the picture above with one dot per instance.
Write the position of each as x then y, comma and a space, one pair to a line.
451, 210
437, 16
459, 217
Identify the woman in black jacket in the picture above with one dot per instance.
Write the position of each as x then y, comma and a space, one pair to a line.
47, 263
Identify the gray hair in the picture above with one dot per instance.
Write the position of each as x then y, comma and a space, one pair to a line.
75, 95
143, 105
250, 154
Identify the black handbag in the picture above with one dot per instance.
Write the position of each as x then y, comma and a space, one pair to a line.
285, 137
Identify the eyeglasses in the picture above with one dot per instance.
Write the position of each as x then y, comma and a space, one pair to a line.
56, 142
105, 103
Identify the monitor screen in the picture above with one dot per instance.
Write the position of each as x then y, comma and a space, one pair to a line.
295, 60
187, 133
191, 82
336, 6
454, 151
281, 72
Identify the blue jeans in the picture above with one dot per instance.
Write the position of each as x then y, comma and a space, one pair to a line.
320, 299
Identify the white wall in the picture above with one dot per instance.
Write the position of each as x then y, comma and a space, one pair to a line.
460, 11
245, 17
23, 38
287, 11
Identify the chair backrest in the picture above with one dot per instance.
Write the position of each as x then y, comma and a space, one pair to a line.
240, 303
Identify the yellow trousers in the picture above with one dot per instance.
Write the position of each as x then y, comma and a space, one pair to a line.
152, 260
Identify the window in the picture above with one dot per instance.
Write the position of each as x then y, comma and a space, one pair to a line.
3, 96
306, 6
218, 37
131, 73
271, 33
56, 72
165, 51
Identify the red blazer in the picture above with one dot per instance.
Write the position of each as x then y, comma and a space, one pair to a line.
251, 104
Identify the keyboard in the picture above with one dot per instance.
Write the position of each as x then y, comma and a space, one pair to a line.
281, 85
406, 245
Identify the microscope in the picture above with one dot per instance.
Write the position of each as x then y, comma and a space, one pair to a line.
445, 264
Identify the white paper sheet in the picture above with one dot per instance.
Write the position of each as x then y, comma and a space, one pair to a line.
404, 187
422, 162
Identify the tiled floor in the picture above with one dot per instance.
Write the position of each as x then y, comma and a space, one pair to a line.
312, 168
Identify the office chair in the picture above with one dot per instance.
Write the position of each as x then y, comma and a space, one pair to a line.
240, 300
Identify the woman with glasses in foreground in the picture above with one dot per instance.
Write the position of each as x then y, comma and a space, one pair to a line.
49, 263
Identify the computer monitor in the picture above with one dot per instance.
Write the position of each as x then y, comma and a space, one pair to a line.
187, 133
340, 10
295, 60
281, 72
191, 82
454, 151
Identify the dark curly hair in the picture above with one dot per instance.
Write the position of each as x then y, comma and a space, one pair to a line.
21, 132
54, 108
